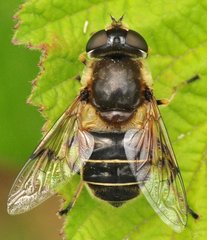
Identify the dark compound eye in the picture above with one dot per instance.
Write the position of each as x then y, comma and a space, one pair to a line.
135, 40
99, 39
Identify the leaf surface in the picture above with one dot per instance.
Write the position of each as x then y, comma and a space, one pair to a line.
177, 36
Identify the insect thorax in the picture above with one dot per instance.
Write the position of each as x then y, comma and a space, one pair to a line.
116, 87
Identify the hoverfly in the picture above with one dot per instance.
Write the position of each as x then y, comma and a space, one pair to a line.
112, 135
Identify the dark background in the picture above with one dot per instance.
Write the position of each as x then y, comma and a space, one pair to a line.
20, 131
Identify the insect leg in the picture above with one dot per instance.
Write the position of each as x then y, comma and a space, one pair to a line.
192, 213
82, 58
78, 78
176, 88
72, 203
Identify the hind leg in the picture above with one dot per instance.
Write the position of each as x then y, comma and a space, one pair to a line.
72, 203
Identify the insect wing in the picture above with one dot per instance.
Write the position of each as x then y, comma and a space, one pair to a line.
156, 169
58, 156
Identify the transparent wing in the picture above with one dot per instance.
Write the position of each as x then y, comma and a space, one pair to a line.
59, 155
156, 169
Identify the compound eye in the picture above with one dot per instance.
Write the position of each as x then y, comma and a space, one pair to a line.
135, 40
98, 39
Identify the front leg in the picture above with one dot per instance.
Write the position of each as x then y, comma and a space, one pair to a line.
83, 58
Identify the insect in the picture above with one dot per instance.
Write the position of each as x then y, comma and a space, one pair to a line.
112, 135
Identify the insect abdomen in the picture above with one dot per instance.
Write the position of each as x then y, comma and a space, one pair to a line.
107, 172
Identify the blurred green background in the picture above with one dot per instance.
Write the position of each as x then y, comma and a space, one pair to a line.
20, 129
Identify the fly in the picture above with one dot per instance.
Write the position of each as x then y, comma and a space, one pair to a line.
112, 134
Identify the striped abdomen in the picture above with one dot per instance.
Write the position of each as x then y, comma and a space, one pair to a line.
108, 172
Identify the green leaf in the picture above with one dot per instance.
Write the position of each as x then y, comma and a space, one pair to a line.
177, 36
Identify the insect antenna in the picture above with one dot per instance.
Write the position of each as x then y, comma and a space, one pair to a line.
116, 22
